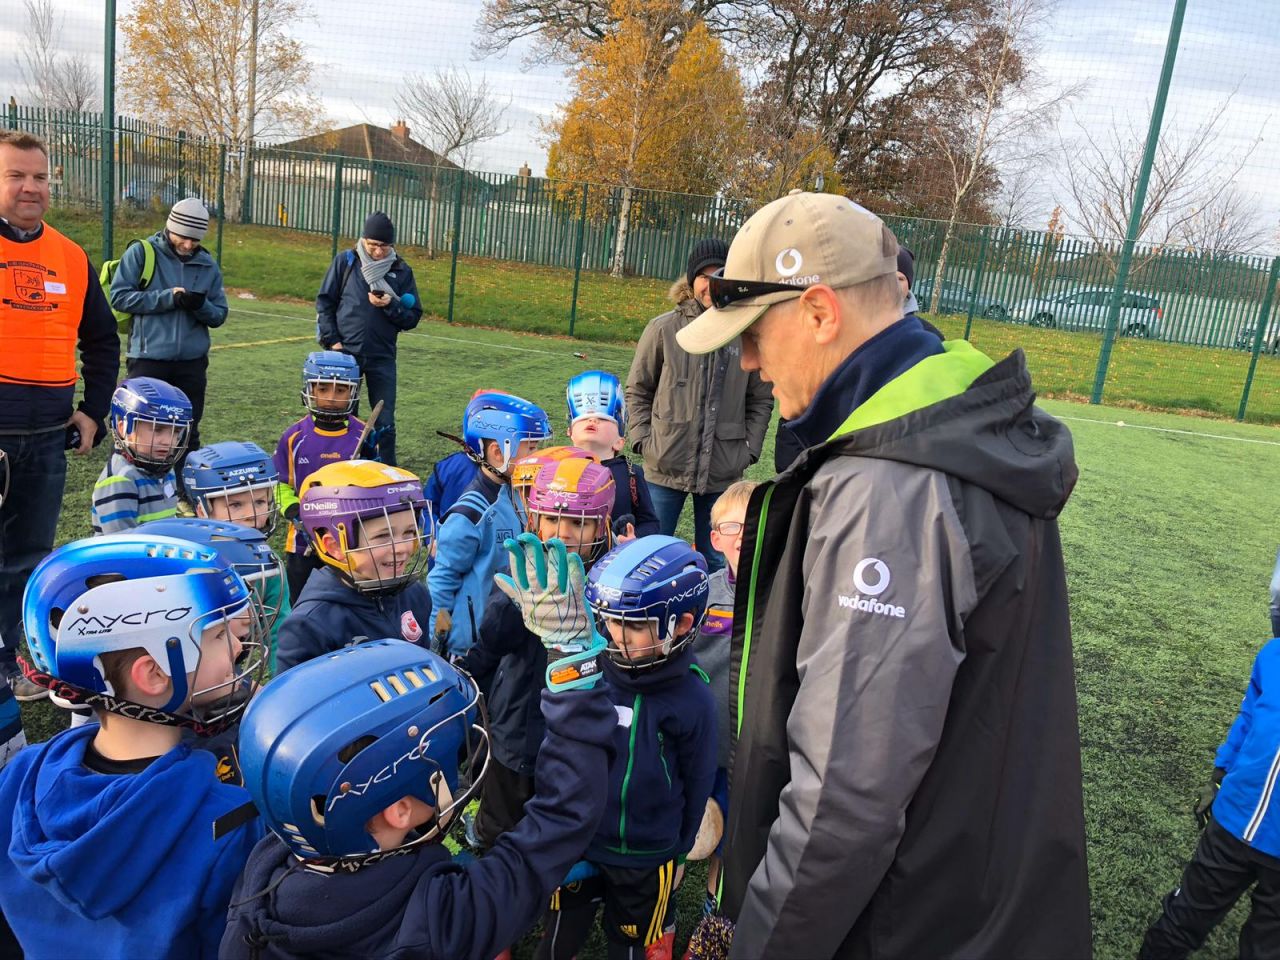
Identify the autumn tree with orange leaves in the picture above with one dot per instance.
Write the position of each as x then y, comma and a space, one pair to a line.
656, 104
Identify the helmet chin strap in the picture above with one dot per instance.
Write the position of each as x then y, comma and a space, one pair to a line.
177, 673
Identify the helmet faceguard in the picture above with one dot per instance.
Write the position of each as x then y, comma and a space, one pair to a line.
577, 490
174, 600
333, 742
328, 375
639, 592
150, 423
378, 521
234, 482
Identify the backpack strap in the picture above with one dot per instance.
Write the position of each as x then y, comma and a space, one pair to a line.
148, 262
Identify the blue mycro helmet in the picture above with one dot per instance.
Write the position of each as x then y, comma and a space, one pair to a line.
245, 548
331, 367
163, 410
654, 579
599, 393
234, 469
333, 741
177, 600
505, 418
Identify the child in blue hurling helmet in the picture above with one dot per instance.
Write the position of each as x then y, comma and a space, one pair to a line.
149, 424
106, 826
649, 598
352, 760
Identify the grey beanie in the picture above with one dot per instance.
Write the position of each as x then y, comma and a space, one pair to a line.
189, 219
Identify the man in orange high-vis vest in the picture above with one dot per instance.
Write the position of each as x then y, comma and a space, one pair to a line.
50, 305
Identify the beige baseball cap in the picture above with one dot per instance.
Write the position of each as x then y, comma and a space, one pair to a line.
798, 240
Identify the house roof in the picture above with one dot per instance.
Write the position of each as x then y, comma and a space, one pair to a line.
370, 143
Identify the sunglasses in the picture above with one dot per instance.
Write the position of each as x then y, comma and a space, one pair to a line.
724, 292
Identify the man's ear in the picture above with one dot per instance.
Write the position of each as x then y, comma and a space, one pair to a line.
821, 314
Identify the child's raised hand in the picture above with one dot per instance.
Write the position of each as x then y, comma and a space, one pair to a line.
546, 583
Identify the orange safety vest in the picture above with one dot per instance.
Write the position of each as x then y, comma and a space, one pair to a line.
43, 285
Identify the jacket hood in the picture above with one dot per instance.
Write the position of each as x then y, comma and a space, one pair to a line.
297, 916
985, 430
328, 586
76, 832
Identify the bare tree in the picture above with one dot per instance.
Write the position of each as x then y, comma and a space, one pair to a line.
1001, 109
1228, 223
1019, 199
1190, 173
454, 112
54, 80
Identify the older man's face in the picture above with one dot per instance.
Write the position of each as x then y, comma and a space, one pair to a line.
24, 186
778, 346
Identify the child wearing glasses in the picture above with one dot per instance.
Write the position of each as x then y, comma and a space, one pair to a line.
728, 520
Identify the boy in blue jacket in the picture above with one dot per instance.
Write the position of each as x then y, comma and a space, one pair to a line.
353, 762
569, 500
1240, 846
650, 596
107, 826
598, 424
498, 429
370, 526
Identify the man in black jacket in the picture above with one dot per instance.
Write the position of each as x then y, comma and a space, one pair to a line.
367, 299
50, 304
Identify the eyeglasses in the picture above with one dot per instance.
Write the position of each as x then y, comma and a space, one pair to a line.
373, 245
729, 528
724, 292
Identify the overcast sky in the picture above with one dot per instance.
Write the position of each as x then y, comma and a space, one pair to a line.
363, 51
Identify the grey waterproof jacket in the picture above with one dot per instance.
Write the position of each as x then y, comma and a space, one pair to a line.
698, 421
906, 767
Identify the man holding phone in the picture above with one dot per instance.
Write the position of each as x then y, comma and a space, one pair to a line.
50, 305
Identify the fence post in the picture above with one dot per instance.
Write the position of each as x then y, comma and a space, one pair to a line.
182, 164
1139, 199
222, 195
13, 114
457, 240
577, 258
1264, 321
108, 132
336, 226
977, 282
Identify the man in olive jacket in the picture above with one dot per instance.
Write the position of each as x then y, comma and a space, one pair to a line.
905, 776
698, 421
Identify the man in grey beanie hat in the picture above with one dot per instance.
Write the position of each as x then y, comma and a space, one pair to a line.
173, 311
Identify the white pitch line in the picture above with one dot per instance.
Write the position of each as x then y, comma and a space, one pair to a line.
1189, 433
587, 345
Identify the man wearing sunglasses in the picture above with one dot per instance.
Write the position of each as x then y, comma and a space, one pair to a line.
906, 766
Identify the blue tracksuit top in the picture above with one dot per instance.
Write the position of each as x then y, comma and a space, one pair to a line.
117, 865
424, 905
662, 774
469, 551
330, 613
449, 480
1248, 803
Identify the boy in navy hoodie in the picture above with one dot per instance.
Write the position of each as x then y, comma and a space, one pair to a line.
353, 762
369, 524
1240, 845
570, 500
650, 596
107, 826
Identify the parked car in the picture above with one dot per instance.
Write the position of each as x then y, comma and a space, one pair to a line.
145, 194
1270, 339
1086, 309
955, 298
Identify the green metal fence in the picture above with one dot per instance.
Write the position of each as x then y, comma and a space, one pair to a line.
1036, 279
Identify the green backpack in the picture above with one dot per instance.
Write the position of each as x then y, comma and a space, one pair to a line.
124, 321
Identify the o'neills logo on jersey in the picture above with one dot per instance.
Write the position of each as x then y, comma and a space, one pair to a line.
871, 578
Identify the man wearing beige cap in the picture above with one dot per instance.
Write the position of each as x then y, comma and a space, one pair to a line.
906, 771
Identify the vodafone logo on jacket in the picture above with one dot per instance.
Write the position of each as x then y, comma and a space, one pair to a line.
409, 628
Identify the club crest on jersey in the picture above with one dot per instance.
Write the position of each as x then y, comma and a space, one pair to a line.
409, 627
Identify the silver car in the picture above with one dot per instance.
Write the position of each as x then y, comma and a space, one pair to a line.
1086, 309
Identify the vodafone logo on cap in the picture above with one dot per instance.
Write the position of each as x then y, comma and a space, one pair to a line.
788, 262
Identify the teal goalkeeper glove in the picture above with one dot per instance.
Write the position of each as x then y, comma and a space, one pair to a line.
546, 584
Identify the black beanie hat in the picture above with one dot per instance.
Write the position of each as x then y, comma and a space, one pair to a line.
907, 265
705, 253
378, 226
